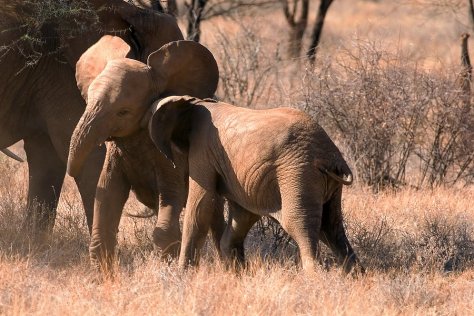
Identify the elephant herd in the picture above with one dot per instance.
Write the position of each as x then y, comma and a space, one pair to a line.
146, 93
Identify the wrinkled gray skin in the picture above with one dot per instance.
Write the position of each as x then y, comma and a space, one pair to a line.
41, 105
119, 93
277, 163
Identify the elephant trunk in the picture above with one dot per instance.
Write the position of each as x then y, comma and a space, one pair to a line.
90, 132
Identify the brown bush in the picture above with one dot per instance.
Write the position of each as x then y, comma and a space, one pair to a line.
397, 123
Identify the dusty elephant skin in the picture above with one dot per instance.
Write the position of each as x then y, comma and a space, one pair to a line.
119, 93
277, 163
42, 105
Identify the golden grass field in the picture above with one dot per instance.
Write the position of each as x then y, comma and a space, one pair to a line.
417, 245
57, 278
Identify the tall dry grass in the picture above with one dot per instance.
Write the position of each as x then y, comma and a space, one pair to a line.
418, 247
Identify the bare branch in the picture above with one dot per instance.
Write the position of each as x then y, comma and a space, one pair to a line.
318, 28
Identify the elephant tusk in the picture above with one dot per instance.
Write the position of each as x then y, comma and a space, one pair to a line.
10, 154
349, 181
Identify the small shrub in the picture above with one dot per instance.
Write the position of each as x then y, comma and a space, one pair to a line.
246, 69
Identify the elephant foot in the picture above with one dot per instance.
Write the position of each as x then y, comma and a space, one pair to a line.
357, 271
167, 241
102, 270
39, 222
236, 266
38, 232
351, 265
103, 258
97, 276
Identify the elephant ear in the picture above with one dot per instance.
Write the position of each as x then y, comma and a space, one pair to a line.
152, 29
170, 122
94, 60
184, 68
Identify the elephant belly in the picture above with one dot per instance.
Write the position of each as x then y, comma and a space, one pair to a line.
258, 195
146, 197
145, 187
138, 161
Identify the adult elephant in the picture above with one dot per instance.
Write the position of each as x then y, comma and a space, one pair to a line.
119, 93
41, 105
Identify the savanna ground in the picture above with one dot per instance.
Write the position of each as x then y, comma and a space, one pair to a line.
415, 237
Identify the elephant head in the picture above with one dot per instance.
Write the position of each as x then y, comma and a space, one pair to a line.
119, 90
142, 27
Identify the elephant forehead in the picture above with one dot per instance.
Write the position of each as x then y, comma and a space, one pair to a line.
122, 82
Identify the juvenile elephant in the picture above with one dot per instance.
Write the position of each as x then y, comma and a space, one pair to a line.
277, 163
119, 93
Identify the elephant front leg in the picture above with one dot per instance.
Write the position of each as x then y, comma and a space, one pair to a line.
198, 217
46, 176
232, 242
167, 234
111, 194
172, 197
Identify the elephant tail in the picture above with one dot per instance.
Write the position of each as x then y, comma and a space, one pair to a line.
336, 169
346, 178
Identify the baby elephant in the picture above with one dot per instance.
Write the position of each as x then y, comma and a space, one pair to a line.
276, 162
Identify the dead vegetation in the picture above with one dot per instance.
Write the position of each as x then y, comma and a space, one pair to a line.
418, 247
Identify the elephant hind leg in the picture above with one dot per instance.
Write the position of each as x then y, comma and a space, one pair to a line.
46, 176
333, 233
303, 225
232, 242
301, 218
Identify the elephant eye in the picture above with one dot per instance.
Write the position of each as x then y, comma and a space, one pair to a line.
122, 113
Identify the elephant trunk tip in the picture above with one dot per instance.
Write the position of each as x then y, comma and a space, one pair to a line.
74, 164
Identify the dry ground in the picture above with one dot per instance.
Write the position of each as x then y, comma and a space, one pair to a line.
418, 246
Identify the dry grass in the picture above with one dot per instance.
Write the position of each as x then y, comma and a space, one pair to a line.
418, 245
405, 239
